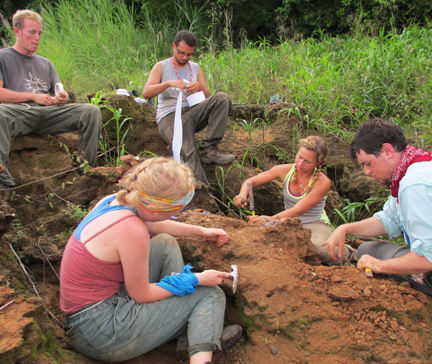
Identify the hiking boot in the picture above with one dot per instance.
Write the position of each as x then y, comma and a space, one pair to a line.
212, 154
230, 335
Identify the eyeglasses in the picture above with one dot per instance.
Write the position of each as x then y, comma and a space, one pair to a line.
189, 55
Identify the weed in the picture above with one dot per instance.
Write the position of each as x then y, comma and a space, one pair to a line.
355, 211
97, 99
146, 153
249, 127
266, 341
76, 212
221, 176
282, 155
119, 143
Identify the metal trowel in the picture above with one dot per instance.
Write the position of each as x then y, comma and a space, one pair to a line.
234, 277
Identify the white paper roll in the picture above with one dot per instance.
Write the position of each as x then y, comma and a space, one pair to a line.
178, 129
58, 88
195, 98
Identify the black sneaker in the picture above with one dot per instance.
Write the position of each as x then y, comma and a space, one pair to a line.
230, 335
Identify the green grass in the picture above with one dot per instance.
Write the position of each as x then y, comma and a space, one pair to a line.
333, 83
338, 81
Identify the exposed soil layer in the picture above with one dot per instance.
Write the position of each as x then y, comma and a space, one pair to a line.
292, 309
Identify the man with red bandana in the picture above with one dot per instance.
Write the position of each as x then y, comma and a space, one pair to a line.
178, 73
381, 149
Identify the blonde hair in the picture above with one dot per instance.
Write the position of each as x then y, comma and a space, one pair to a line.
158, 177
20, 15
319, 147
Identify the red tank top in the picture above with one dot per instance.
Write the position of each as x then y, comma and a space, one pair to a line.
85, 279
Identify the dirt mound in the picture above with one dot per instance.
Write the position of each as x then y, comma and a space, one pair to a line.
296, 312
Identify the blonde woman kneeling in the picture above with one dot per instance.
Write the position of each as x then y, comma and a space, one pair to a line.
305, 190
116, 290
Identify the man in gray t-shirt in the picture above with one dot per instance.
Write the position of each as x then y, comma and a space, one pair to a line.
165, 80
27, 82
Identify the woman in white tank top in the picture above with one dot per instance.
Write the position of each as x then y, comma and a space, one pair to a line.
305, 191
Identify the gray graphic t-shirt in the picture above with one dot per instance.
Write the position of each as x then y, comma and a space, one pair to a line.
26, 74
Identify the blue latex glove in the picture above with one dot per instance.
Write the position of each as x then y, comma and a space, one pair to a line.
180, 284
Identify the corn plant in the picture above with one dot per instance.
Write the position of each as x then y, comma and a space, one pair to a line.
249, 126
118, 146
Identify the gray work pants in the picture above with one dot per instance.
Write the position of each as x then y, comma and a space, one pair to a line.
22, 119
385, 250
119, 329
211, 113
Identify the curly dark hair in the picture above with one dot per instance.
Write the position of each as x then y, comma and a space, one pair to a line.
371, 136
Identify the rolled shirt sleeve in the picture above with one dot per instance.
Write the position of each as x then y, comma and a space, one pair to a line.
412, 216
417, 221
389, 218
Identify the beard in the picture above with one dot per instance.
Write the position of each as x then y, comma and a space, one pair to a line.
181, 61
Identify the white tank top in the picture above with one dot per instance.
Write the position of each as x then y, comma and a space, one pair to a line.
314, 214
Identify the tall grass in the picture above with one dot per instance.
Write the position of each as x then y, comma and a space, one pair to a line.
97, 44
337, 80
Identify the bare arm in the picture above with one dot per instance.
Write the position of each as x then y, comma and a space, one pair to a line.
410, 263
276, 172
134, 252
134, 248
175, 228
16, 97
368, 227
154, 86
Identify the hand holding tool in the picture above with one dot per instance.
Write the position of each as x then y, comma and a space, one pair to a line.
250, 199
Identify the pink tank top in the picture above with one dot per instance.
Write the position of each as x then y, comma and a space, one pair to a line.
85, 279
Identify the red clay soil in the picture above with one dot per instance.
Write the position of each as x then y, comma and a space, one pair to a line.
296, 312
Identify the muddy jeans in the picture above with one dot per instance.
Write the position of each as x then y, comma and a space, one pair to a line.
118, 329
22, 119
211, 113
320, 234
385, 250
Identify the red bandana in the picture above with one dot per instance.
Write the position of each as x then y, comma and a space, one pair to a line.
410, 155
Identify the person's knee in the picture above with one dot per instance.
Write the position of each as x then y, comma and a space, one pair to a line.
216, 293
166, 240
2, 111
365, 248
222, 97
93, 112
